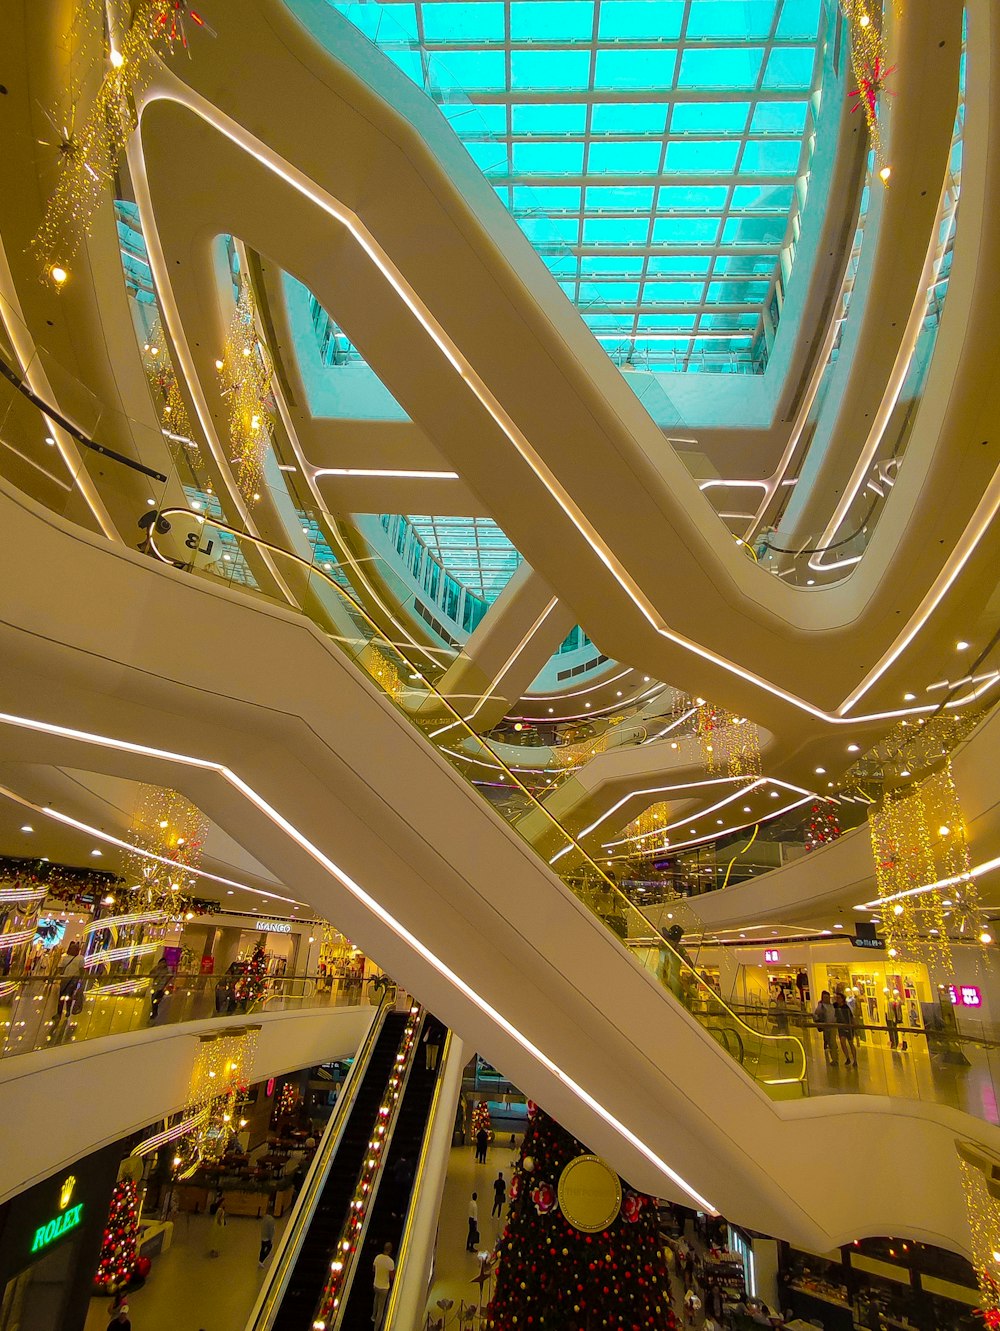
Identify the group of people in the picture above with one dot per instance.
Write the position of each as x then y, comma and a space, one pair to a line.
836, 1021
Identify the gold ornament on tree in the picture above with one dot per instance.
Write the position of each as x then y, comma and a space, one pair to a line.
245, 372
923, 871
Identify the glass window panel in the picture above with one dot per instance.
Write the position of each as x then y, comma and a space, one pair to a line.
666, 322
490, 157
548, 69
679, 263
691, 197
763, 198
641, 18
736, 292
409, 63
374, 22
635, 69
560, 265
746, 265
702, 157
751, 19
551, 20
754, 231
548, 158
770, 157
623, 265
790, 67
603, 322
469, 120
685, 230
673, 293
549, 230
624, 159
799, 18
547, 197
615, 231
476, 69
779, 118
726, 67
628, 117
730, 321
619, 293
549, 118
482, 22
621, 197
709, 117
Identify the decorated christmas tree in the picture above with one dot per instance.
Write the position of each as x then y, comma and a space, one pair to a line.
580, 1251
822, 826
254, 981
481, 1119
117, 1263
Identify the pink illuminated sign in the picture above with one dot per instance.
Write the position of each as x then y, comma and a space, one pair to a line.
770, 954
965, 995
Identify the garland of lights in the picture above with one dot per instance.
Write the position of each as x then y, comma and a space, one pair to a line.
350, 1236
119, 1245
220, 1079
918, 838
167, 397
646, 834
823, 825
245, 373
980, 1172
729, 742
89, 159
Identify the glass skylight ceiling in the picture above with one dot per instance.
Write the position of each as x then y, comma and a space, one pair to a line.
655, 152
473, 550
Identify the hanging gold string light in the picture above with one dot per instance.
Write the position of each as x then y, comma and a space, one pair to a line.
646, 833
575, 755
729, 742
871, 68
245, 372
171, 828
89, 157
167, 398
919, 839
221, 1075
980, 1171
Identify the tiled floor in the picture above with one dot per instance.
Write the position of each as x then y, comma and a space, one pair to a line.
189, 1291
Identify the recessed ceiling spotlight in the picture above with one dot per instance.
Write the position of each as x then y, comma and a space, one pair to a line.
854, 748
746, 808
694, 829
909, 697
961, 646
821, 771
97, 853
49, 440
838, 926
718, 822
586, 704
774, 794
27, 828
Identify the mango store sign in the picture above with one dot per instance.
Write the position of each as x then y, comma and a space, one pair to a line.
274, 927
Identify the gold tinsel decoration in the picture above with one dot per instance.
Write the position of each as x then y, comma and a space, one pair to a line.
89, 158
646, 833
383, 671
245, 374
729, 743
918, 838
167, 398
870, 67
576, 755
980, 1171
223, 1070
170, 827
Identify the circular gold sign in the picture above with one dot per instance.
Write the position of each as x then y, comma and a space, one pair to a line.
590, 1193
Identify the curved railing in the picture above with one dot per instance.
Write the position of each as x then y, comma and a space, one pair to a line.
44, 1012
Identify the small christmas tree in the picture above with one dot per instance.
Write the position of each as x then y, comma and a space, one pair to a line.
822, 826
481, 1120
254, 981
551, 1275
117, 1262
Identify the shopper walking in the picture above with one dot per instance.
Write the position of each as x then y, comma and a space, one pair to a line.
499, 1194
383, 1270
844, 1019
266, 1237
893, 1020
482, 1141
472, 1242
780, 1013
432, 1045
218, 1225
826, 1021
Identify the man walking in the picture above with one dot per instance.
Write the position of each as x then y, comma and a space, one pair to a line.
499, 1194
826, 1020
472, 1242
266, 1237
383, 1269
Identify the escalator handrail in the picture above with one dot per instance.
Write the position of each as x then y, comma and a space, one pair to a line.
356, 607
406, 1237
270, 1298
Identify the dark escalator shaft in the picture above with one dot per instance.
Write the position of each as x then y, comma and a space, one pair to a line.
312, 1265
395, 1191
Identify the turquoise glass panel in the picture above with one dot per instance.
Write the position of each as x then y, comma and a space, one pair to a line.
706, 157
636, 157
750, 19
548, 198
621, 265
686, 264
762, 198
550, 230
635, 69
619, 293
548, 118
549, 69
673, 293
723, 67
754, 231
737, 292
551, 20
799, 18
685, 198
628, 117
745, 264
790, 67
638, 19
650, 323
483, 22
475, 70
548, 159
685, 230
709, 117
409, 63
615, 231
620, 197
771, 157
779, 118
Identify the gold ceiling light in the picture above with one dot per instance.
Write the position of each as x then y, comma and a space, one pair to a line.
171, 828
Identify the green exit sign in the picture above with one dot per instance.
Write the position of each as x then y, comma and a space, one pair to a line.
55, 1229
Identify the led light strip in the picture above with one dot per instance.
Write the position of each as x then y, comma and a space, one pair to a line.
977, 871
298, 181
383, 472
380, 913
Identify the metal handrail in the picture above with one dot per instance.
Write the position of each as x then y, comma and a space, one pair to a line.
270, 1297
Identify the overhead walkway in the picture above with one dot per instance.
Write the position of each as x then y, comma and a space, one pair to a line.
112, 662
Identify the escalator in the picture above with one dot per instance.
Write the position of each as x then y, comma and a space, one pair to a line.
312, 1264
395, 1194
